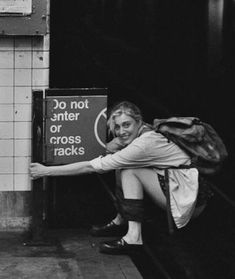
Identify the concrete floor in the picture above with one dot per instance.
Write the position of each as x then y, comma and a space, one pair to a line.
72, 254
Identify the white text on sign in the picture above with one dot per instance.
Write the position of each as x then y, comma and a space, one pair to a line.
66, 116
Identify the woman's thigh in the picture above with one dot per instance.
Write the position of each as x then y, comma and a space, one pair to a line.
148, 179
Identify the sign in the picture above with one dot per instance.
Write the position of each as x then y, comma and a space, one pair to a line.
75, 128
24, 17
16, 6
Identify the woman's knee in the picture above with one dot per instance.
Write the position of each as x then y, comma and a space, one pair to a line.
128, 173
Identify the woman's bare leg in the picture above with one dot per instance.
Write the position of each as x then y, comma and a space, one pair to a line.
134, 183
118, 220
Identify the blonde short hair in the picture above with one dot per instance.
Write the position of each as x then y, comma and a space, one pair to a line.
127, 108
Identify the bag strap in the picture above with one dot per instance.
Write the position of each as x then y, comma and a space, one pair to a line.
168, 204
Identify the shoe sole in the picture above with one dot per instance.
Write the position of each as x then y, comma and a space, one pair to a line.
124, 251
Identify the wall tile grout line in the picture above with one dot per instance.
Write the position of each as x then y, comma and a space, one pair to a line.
14, 114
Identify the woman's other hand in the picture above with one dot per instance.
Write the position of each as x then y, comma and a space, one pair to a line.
37, 170
114, 145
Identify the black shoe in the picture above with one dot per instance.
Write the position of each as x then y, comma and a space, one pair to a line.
110, 229
119, 247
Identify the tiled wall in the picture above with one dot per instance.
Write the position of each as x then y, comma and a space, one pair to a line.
24, 66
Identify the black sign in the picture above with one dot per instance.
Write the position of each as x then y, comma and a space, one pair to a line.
75, 128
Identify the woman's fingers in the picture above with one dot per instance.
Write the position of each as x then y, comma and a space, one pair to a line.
34, 170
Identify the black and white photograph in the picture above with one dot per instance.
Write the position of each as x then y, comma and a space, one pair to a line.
117, 140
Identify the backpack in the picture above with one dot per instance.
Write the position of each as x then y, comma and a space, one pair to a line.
198, 139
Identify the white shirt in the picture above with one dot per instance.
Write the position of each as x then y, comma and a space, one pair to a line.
152, 149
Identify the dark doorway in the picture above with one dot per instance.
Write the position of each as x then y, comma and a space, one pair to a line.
150, 52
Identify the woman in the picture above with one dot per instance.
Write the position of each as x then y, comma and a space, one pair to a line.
139, 155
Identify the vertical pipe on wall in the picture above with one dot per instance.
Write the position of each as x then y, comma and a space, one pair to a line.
37, 230
215, 36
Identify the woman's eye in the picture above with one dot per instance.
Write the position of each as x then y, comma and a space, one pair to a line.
126, 125
116, 128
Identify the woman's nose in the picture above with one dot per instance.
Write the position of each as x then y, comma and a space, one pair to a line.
122, 131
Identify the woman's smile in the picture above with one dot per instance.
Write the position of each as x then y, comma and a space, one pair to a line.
124, 137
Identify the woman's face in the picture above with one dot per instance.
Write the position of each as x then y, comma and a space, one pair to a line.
126, 128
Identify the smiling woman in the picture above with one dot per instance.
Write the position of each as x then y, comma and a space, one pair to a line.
139, 156
125, 123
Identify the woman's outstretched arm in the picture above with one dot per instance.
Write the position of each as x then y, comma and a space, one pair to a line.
38, 170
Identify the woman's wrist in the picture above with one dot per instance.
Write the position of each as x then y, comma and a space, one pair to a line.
46, 171
52, 171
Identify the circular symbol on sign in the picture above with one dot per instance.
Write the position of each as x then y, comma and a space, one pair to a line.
100, 117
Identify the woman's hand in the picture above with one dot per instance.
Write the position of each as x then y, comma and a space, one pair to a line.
114, 145
37, 170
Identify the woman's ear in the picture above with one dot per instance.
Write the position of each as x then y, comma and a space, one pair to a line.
140, 123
